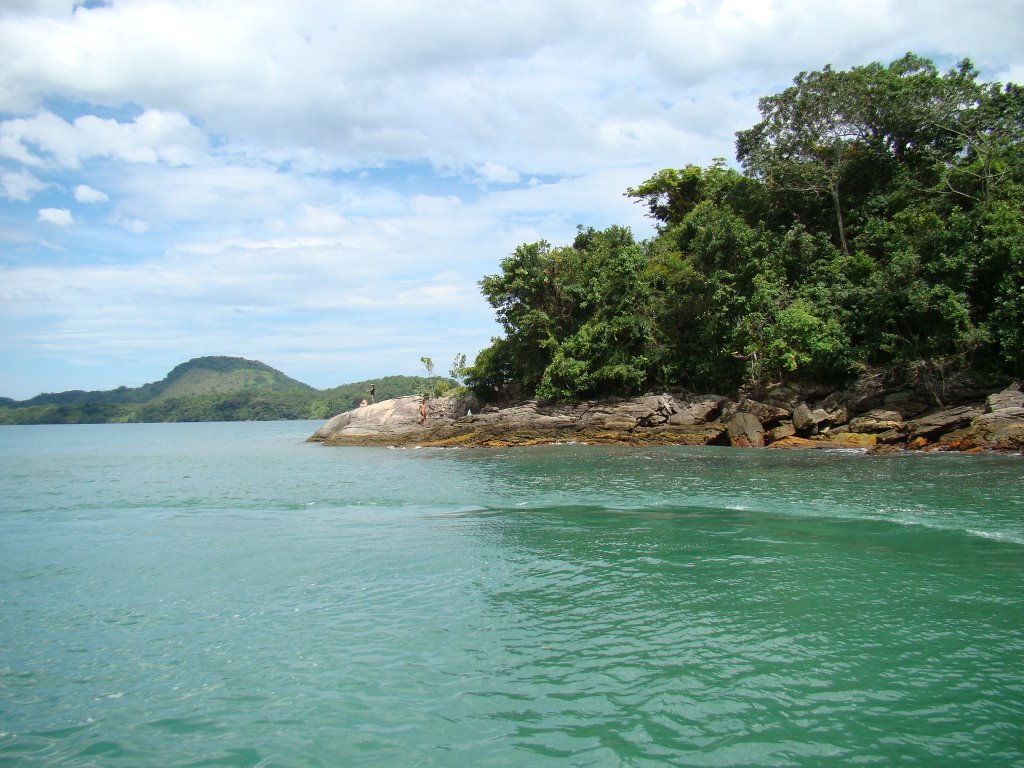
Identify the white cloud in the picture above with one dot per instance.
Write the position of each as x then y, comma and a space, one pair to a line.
314, 218
86, 194
218, 194
282, 299
329, 179
12, 148
533, 86
496, 172
536, 87
20, 185
59, 216
434, 205
135, 226
154, 136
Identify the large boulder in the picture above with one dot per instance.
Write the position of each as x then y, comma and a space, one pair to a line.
698, 410
1011, 397
769, 415
908, 403
780, 432
646, 411
1002, 429
1002, 424
803, 420
745, 431
934, 424
387, 418
877, 420
810, 422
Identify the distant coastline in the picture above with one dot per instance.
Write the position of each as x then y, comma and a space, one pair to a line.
214, 388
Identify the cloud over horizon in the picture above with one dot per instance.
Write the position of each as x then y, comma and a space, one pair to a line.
320, 185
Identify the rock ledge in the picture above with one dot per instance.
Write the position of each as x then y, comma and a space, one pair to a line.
779, 420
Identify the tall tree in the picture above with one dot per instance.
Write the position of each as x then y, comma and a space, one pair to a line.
878, 222
831, 127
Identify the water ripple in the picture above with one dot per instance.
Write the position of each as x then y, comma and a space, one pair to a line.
565, 606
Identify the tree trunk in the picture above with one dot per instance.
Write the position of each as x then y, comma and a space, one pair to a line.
839, 219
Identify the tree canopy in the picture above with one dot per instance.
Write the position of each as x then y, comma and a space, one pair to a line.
877, 221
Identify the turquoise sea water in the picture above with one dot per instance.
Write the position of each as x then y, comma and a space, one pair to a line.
228, 595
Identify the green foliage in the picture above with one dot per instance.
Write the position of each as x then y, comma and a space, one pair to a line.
199, 376
1002, 280
266, 404
878, 222
577, 319
428, 365
458, 369
494, 371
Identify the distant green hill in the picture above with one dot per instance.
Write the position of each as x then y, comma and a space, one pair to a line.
200, 376
206, 389
222, 375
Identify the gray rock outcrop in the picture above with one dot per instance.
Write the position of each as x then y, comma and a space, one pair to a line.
994, 423
389, 418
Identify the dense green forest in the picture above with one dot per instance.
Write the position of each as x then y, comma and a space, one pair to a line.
209, 389
875, 228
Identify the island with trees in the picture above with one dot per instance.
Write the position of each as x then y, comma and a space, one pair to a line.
857, 280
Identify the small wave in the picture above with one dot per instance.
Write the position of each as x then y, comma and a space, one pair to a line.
936, 524
793, 514
1007, 538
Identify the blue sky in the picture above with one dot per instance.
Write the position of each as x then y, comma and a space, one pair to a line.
321, 184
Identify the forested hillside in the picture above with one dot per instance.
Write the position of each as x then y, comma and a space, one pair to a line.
876, 228
207, 389
200, 376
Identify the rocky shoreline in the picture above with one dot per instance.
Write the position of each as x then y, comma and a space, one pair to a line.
963, 416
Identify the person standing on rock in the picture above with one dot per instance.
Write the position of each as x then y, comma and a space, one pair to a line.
373, 393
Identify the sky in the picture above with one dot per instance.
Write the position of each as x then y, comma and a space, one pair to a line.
321, 184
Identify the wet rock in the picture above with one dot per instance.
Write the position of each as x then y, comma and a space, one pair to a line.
935, 424
784, 430
803, 420
1009, 398
844, 439
810, 422
908, 403
881, 449
892, 437
877, 420
769, 415
792, 442
700, 410
745, 431
1001, 430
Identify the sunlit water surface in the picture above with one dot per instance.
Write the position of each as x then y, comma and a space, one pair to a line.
228, 595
